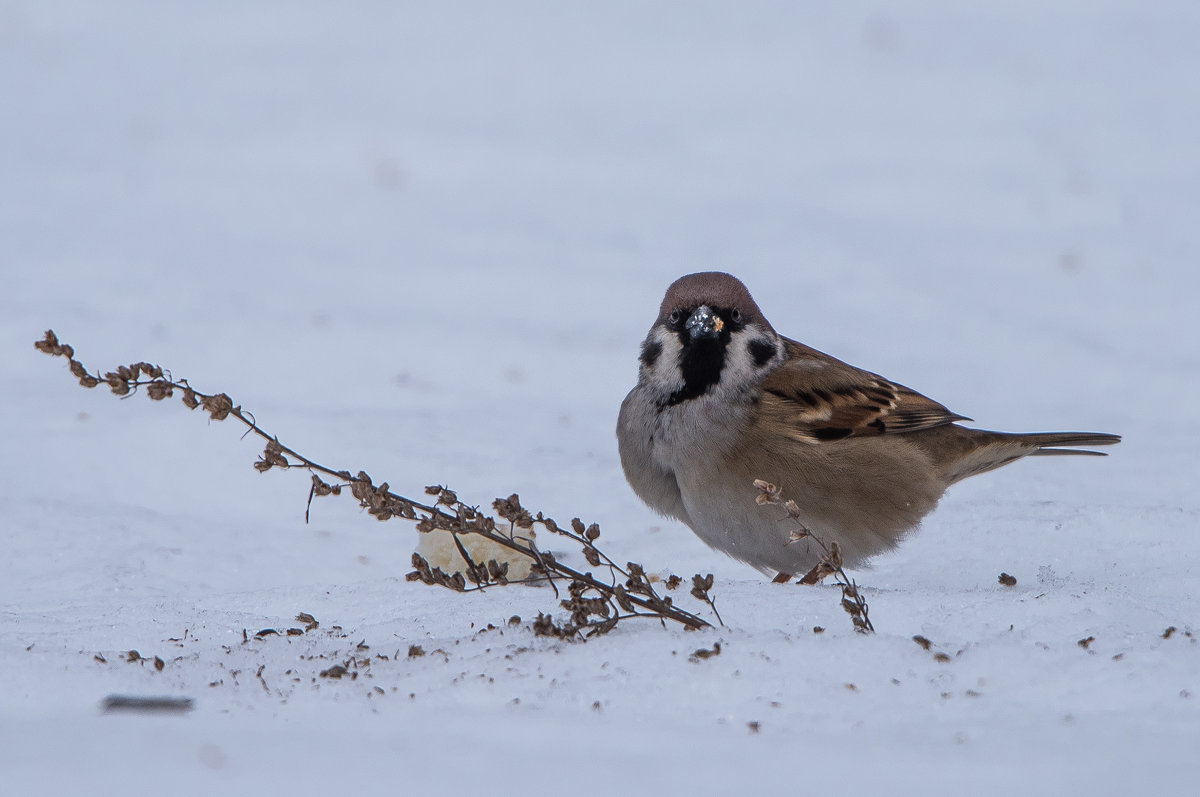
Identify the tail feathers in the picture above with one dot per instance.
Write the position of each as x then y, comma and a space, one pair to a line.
974, 451
1048, 443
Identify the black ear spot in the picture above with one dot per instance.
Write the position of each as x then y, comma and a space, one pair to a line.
763, 351
650, 353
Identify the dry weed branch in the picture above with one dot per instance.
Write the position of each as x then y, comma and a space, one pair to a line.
830, 563
595, 605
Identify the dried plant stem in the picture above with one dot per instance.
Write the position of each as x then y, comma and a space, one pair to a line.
830, 563
596, 605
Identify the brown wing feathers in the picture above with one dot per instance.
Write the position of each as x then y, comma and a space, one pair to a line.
829, 400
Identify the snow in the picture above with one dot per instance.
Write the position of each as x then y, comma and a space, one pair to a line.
426, 240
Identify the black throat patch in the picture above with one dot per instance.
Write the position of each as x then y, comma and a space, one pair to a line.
700, 366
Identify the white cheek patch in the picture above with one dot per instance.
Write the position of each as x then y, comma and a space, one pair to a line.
663, 375
745, 364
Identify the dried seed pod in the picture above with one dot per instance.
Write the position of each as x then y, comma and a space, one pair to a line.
48, 344
159, 390
767, 492
218, 407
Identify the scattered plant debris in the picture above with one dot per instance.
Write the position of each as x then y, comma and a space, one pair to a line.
310, 622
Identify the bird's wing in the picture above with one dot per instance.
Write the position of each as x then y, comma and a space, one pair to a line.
821, 398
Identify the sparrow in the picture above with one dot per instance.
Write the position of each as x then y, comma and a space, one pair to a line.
722, 400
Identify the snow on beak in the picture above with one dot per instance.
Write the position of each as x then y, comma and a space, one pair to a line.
703, 323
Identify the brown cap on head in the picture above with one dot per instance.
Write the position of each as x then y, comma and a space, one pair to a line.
715, 289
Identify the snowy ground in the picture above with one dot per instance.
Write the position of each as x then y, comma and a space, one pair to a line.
426, 242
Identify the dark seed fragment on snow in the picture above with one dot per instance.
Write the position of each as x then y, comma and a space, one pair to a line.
147, 705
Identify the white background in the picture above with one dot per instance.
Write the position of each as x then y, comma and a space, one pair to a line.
425, 241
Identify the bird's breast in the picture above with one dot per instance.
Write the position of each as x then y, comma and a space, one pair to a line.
695, 434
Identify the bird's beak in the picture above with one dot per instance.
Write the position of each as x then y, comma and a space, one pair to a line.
703, 324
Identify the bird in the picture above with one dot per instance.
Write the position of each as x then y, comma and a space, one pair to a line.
723, 400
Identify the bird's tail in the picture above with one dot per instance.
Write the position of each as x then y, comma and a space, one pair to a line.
1054, 443
974, 451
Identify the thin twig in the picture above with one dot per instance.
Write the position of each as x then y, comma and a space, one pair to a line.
447, 515
830, 563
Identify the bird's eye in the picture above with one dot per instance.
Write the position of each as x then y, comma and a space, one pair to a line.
676, 316
735, 315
